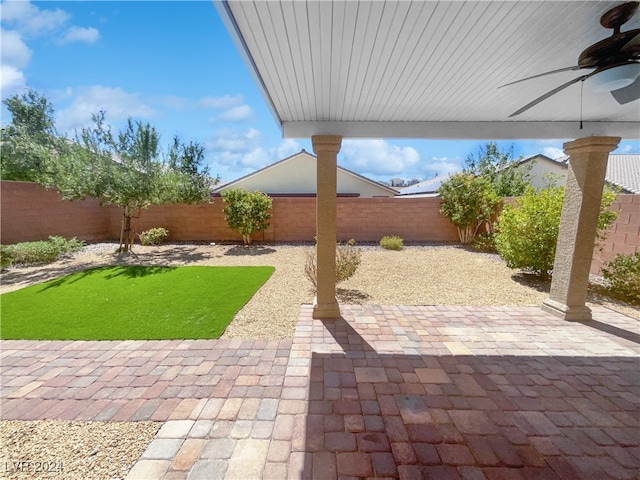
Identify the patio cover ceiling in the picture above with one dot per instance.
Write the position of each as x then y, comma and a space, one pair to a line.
427, 69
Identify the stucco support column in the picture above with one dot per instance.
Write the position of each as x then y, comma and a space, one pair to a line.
578, 226
326, 147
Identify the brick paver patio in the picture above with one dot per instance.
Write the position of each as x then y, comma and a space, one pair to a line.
386, 392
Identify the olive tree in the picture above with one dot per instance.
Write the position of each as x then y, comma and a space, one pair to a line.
127, 170
30, 140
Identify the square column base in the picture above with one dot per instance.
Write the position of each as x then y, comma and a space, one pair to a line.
326, 310
571, 314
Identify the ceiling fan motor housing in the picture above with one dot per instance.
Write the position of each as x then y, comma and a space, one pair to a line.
621, 47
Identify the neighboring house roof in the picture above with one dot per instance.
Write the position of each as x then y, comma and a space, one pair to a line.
623, 170
424, 188
537, 157
296, 175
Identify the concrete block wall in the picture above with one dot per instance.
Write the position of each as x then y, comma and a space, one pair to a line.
28, 212
369, 219
294, 219
201, 223
623, 236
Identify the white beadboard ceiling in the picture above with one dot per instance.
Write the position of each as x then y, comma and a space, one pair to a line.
427, 69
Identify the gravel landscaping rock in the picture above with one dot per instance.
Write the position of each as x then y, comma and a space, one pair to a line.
416, 275
65, 450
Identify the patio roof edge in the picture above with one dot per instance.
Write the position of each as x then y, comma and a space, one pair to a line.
229, 21
481, 130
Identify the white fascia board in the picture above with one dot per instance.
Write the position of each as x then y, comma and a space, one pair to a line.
489, 130
224, 11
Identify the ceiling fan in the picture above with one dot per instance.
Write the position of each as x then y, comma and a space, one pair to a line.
618, 50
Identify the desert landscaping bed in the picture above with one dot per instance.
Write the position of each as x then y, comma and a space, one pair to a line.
417, 275
61, 450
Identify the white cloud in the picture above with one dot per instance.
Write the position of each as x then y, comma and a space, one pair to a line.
80, 34
117, 103
233, 108
377, 157
238, 114
553, 152
15, 55
238, 153
22, 19
232, 141
11, 80
626, 148
259, 157
221, 103
441, 166
14, 51
286, 148
30, 20
255, 159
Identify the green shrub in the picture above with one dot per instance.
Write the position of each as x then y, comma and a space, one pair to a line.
623, 277
246, 212
484, 242
468, 202
154, 236
391, 242
6, 257
43, 251
66, 246
528, 233
348, 259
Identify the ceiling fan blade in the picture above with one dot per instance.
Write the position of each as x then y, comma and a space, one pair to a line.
565, 69
629, 93
552, 92
632, 46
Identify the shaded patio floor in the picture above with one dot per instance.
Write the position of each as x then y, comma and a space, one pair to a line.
387, 392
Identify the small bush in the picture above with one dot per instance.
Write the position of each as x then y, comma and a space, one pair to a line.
484, 242
34, 252
6, 257
528, 233
348, 258
468, 202
246, 212
67, 246
154, 236
43, 251
391, 242
623, 277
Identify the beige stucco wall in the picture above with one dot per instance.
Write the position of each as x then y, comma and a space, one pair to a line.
540, 168
297, 175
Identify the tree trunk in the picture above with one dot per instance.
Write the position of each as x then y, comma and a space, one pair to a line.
465, 235
126, 235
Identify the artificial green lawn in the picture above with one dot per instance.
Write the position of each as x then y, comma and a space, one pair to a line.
131, 303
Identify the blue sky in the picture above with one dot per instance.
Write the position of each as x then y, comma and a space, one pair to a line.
174, 65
